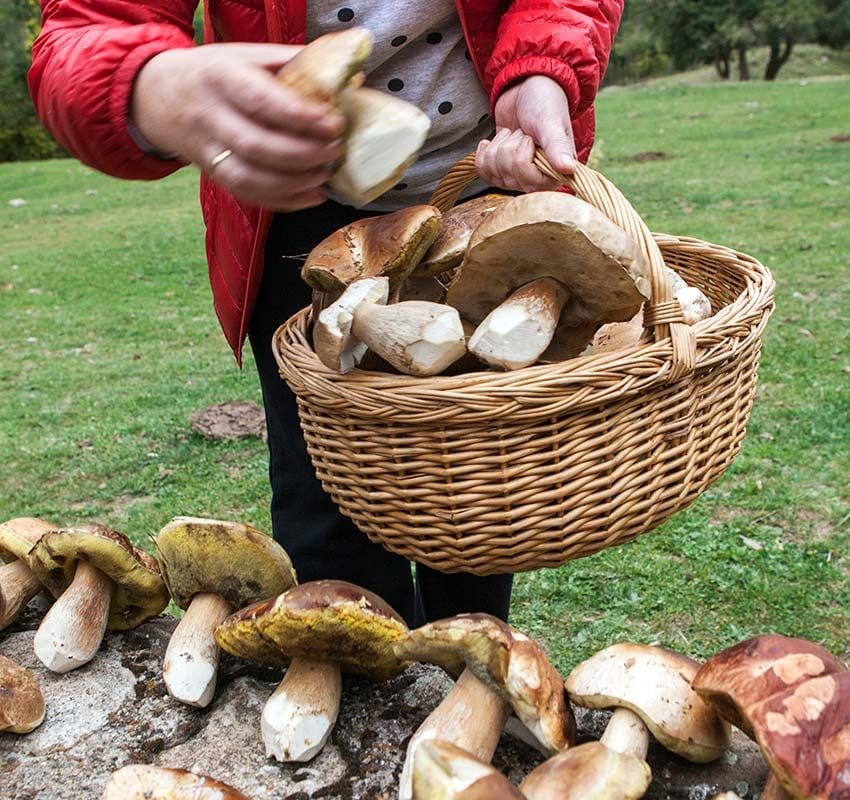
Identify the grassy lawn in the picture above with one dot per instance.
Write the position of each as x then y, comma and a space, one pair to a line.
109, 343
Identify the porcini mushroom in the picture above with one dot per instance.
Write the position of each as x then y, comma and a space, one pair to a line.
504, 669
100, 580
211, 569
325, 627
18, 585
444, 771
650, 688
147, 782
21, 701
415, 336
562, 266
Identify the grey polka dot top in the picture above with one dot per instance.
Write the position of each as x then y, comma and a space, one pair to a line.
419, 55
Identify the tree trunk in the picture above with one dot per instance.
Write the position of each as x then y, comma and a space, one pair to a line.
721, 64
743, 64
779, 54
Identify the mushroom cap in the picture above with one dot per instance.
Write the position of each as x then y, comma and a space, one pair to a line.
458, 224
804, 735
505, 659
329, 621
21, 701
655, 684
17, 536
240, 636
444, 771
138, 592
749, 672
230, 559
390, 245
147, 782
590, 771
554, 235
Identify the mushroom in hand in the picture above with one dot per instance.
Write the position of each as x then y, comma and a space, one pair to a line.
21, 701
18, 584
211, 569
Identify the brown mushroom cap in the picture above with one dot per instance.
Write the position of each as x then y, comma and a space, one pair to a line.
656, 685
21, 701
590, 771
735, 679
147, 782
390, 245
458, 224
553, 235
240, 636
230, 559
17, 536
508, 661
444, 771
328, 621
138, 592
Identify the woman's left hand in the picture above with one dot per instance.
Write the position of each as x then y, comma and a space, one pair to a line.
533, 112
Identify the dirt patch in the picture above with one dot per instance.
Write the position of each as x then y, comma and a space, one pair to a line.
817, 526
840, 138
650, 155
230, 421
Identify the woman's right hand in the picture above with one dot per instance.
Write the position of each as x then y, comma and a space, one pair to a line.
199, 102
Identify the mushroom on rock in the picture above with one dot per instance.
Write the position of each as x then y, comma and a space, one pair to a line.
100, 580
18, 584
147, 782
325, 627
541, 273
504, 669
212, 568
415, 336
21, 701
650, 688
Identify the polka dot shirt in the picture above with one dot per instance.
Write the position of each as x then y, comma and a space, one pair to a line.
419, 55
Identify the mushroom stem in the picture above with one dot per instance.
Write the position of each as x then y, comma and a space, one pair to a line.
470, 716
190, 667
72, 630
300, 714
626, 734
17, 587
417, 337
516, 333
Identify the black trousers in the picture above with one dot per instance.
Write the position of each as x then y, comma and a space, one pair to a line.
320, 540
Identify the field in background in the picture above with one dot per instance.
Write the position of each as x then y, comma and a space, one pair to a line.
109, 344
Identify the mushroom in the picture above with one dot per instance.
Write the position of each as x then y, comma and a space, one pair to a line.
211, 569
504, 667
590, 771
325, 627
564, 268
100, 580
18, 585
415, 336
650, 688
444, 771
147, 782
793, 697
21, 701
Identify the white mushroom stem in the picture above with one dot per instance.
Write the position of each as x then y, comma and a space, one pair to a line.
627, 734
471, 716
17, 587
516, 333
300, 714
190, 667
72, 630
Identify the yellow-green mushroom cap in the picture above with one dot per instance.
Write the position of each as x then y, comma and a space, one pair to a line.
590, 771
336, 621
230, 559
240, 636
17, 536
138, 591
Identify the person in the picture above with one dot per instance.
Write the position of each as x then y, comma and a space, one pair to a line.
123, 88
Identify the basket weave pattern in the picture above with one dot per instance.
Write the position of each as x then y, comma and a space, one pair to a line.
503, 472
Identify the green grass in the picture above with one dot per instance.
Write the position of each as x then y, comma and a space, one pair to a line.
109, 343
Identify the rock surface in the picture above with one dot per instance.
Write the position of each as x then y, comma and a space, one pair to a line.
115, 711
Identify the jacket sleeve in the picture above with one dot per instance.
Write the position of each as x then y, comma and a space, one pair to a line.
566, 40
84, 63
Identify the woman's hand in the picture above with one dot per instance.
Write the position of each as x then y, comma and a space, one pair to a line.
200, 102
533, 112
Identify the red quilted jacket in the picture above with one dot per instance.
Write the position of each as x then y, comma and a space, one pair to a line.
89, 51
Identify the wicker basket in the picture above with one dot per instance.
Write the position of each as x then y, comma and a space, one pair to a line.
503, 472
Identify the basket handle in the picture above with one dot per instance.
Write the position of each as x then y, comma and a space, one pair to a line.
662, 313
